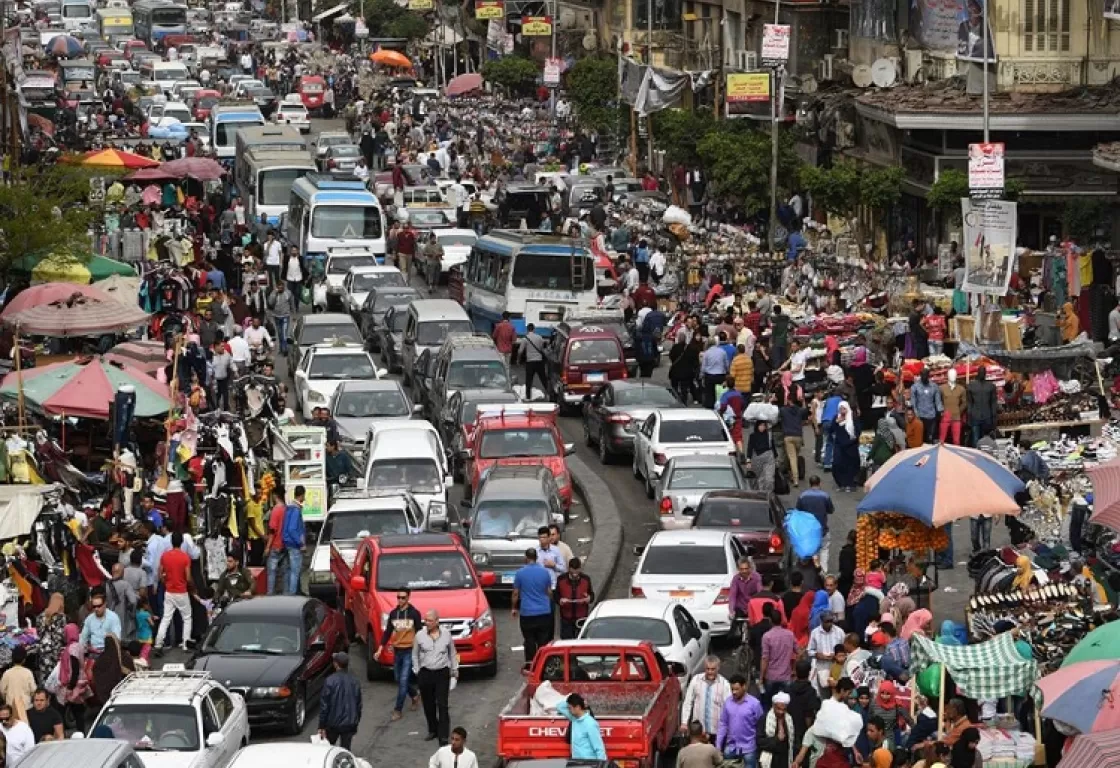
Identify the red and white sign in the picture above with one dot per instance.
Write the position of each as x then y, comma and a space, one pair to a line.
985, 170
775, 44
552, 72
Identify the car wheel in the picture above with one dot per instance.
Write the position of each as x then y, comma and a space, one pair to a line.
490, 669
373, 669
298, 718
637, 471
604, 450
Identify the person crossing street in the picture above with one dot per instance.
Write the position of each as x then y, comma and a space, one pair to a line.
340, 704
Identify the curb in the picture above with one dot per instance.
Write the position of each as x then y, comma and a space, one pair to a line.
606, 525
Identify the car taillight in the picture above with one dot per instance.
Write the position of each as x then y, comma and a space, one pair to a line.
724, 596
619, 418
775, 543
625, 373
659, 459
637, 592
666, 506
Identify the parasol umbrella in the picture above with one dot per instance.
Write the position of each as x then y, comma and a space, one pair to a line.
200, 168
63, 46
78, 317
1102, 644
66, 269
936, 484
1085, 696
146, 356
151, 174
1106, 494
121, 288
116, 158
84, 388
1100, 750
45, 293
390, 58
40, 122
464, 84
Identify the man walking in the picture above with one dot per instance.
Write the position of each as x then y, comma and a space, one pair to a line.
281, 305
574, 596
175, 573
435, 662
531, 351
455, 754
738, 724
505, 337
532, 599
699, 753
779, 647
400, 634
817, 502
714, 366
340, 704
704, 699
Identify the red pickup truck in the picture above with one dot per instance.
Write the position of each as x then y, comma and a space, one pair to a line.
628, 687
438, 570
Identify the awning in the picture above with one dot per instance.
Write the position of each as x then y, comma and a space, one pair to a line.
21, 505
329, 12
989, 670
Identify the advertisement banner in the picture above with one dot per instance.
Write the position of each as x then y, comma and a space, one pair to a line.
775, 44
934, 23
985, 171
489, 9
989, 245
971, 32
536, 26
552, 72
421, 5
745, 87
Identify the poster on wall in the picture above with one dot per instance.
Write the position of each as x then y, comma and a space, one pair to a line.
1112, 9
934, 23
971, 32
989, 245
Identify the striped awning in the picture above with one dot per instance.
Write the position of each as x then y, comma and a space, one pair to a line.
1100, 750
1106, 494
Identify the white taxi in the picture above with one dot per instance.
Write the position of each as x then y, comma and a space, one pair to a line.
292, 113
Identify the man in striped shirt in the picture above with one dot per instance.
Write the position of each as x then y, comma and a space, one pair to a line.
703, 701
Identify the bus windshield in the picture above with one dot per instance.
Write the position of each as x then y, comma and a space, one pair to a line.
274, 186
169, 17
346, 222
225, 133
76, 11
550, 273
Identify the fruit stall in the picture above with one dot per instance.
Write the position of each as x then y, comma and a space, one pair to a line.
906, 546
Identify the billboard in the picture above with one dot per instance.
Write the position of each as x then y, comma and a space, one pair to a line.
989, 245
536, 26
971, 32
744, 87
775, 44
489, 9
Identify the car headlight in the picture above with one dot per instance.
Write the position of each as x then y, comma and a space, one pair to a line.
321, 577
480, 558
563, 480
485, 621
315, 397
277, 692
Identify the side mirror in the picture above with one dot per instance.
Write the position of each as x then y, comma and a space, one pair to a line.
214, 740
587, 398
639, 550
419, 408
466, 454
487, 579
448, 481
301, 374
569, 449
358, 583
704, 625
465, 505
382, 372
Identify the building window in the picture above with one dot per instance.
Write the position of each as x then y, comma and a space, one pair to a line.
666, 14
1046, 26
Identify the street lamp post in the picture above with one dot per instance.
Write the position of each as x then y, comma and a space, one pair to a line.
774, 115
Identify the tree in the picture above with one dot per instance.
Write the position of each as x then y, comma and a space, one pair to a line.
679, 131
515, 73
29, 223
592, 85
854, 191
952, 184
1082, 218
737, 158
385, 18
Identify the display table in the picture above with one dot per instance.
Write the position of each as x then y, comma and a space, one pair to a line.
1093, 424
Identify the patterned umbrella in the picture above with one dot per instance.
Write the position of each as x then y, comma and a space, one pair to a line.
45, 293
1106, 494
126, 290
1100, 750
78, 317
1083, 695
117, 158
464, 84
146, 356
64, 46
84, 388
199, 168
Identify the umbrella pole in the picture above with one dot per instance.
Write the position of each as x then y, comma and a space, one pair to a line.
63, 430
19, 380
163, 480
941, 704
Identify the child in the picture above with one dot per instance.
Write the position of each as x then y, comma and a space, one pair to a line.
862, 704
145, 622
875, 575
894, 715
836, 671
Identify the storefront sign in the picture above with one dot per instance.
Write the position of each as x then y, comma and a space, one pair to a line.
489, 9
985, 171
990, 230
775, 44
747, 87
536, 26
421, 5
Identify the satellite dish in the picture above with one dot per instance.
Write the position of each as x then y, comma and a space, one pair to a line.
590, 42
884, 73
808, 84
861, 76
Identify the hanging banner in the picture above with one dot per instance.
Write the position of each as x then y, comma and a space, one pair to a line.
775, 44
552, 72
489, 9
971, 32
935, 23
985, 171
536, 26
989, 245
748, 86
421, 5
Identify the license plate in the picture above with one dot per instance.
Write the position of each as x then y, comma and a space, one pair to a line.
596, 377
507, 578
680, 594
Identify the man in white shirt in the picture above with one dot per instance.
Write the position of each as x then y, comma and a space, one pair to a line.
455, 754
18, 735
657, 265
239, 351
705, 697
822, 647
360, 170
797, 359
257, 335
247, 63
273, 253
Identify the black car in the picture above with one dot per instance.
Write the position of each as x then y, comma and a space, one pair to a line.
614, 413
276, 652
378, 302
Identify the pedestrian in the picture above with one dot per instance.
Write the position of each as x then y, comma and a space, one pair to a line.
792, 414
684, 366
175, 573
19, 739
406, 248
779, 733
817, 502
761, 455
739, 721
574, 596
531, 351
274, 255
293, 276
714, 366
700, 752
455, 754
704, 698
549, 555
340, 704
505, 338
404, 624
822, 647
281, 307
293, 536
122, 599
555, 540
45, 720
17, 684
583, 734
274, 542
779, 649
435, 663
532, 604
222, 361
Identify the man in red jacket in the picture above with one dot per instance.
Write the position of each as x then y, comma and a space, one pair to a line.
574, 595
505, 337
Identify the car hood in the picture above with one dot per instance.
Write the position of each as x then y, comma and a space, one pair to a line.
354, 427
153, 759
240, 670
450, 603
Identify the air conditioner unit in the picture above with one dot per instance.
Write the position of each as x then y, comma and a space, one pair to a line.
840, 41
746, 60
824, 68
913, 65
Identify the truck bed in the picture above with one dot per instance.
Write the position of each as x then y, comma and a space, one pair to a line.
635, 701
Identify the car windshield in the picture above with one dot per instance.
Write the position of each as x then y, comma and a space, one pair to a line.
684, 559
733, 513
366, 281
550, 273
417, 475
344, 150
503, 443
400, 319
655, 631
423, 571
254, 635
152, 727
340, 265
450, 241
594, 352
699, 431
275, 184
695, 478
346, 222
651, 396
359, 404
330, 141
354, 525
477, 374
320, 334
386, 299
356, 366
501, 517
433, 332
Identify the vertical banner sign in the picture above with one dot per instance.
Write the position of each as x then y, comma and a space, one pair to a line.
536, 26
552, 72
985, 171
989, 245
484, 10
775, 44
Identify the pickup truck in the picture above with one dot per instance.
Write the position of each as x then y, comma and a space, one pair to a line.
628, 686
437, 568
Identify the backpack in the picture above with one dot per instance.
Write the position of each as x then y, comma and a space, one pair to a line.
293, 533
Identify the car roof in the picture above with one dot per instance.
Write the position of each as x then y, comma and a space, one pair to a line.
265, 606
744, 495
375, 269
514, 482
343, 349
584, 643
483, 396
370, 385
291, 754
425, 540
703, 460
89, 752
405, 445
643, 606
688, 414
327, 318
582, 332
703, 536
456, 231
636, 384
374, 501
438, 309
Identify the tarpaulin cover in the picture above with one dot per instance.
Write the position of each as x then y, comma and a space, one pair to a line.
804, 532
989, 670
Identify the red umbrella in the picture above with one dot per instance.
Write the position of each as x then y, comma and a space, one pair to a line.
116, 158
47, 293
464, 84
199, 168
1106, 494
78, 317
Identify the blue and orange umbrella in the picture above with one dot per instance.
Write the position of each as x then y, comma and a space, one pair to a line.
64, 46
936, 484
1085, 696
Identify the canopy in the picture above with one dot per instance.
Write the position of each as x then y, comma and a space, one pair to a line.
936, 484
116, 158
20, 506
989, 670
151, 174
78, 317
1106, 494
84, 388
199, 168
1100, 750
121, 288
45, 293
1081, 695
65, 269
64, 46
146, 356
1103, 643
464, 84
390, 58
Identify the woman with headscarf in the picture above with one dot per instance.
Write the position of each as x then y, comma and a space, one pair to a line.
919, 621
881, 758
884, 445
113, 665
800, 618
902, 611
73, 685
761, 453
51, 625
820, 607
965, 753
1069, 323
1024, 576
778, 731
845, 450
855, 592
948, 634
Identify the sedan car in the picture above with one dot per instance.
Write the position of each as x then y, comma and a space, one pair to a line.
677, 432
681, 639
378, 302
296, 753
324, 369
339, 263
355, 405
693, 568
293, 114
613, 414
276, 652
361, 280
685, 481
328, 139
456, 423
312, 330
341, 160
755, 518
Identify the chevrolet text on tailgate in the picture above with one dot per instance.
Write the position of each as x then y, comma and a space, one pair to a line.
627, 684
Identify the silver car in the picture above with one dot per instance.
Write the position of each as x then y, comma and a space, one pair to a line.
685, 481
356, 405
342, 159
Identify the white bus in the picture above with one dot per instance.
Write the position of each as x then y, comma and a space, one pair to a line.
266, 178
76, 15
225, 120
326, 214
274, 138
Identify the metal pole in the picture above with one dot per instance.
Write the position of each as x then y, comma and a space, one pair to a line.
555, 7
776, 86
984, 33
649, 118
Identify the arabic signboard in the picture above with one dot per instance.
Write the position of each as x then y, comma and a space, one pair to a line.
489, 9
989, 245
552, 72
536, 26
421, 5
748, 86
775, 44
985, 171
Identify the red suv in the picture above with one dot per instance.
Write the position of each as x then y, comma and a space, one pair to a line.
581, 359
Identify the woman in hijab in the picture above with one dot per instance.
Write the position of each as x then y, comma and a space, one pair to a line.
948, 635
1025, 574
884, 446
1070, 324
779, 733
845, 452
52, 635
73, 685
881, 758
799, 620
760, 453
820, 606
902, 611
965, 753
112, 666
919, 621
859, 583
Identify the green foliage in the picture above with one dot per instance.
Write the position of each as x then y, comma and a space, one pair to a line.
679, 131
952, 184
592, 85
27, 224
736, 155
1081, 218
515, 73
385, 18
409, 25
847, 186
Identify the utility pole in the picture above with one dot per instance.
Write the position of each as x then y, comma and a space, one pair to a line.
984, 33
554, 10
649, 47
774, 115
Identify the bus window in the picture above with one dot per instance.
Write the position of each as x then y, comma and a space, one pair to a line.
552, 273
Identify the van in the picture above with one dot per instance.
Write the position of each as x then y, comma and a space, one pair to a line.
89, 753
166, 73
409, 456
428, 323
465, 361
580, 359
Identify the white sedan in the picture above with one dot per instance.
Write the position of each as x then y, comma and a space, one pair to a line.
681, 639
693, 568
322, 369
294, 115
668, 433
294, 753
359, 281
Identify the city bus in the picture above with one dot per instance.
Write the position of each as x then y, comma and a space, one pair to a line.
225, 120
327, 214
266, 180
114, 24
537, 278
155, 19
76, 15
274, 138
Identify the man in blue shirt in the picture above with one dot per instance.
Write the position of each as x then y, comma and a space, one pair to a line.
816, 501
727, 347
714, 366
532, 599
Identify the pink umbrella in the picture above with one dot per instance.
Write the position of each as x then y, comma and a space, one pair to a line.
1106, 494
78, 317
47, 293
464, 84
150, 174
199, 168
1083, 695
